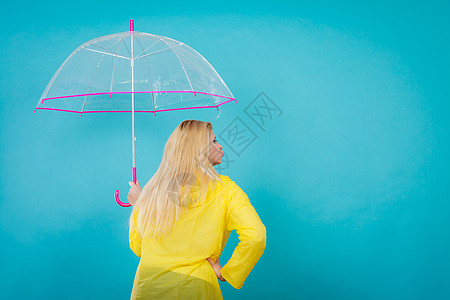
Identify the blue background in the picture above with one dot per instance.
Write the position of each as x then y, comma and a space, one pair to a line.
351, 181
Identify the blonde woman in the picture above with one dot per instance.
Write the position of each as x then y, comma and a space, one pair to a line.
182, 218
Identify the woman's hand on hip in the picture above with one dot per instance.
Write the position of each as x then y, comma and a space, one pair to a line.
135, 191
217, 267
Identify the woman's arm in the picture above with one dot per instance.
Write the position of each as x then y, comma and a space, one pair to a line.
242, 217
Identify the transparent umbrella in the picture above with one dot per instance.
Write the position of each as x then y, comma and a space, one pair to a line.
134, 72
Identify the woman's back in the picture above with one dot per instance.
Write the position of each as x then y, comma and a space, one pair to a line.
176, 267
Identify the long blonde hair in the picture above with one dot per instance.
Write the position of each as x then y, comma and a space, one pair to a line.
182, 179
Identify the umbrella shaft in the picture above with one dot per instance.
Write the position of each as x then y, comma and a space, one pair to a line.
132, 99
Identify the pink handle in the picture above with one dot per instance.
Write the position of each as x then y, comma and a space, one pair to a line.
131, 25
120, 202
117, 192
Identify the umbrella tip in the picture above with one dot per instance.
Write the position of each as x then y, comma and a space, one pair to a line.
131, 25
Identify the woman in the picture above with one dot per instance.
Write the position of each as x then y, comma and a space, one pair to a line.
182, 218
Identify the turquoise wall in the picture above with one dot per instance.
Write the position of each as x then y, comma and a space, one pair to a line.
349, 171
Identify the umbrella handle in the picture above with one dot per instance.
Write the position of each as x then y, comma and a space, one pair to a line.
120, 202
117, 192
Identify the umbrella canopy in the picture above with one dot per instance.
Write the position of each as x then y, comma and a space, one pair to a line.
164, 74
132, 72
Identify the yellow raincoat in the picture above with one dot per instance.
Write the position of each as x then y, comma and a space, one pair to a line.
175, 266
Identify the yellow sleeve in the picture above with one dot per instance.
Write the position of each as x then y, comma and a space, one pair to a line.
242, 217
135, 238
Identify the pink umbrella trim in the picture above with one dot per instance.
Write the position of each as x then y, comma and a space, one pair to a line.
143, 92
136, 111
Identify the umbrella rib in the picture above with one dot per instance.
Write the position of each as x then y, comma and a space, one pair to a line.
184, 69
115, 63
90, 83
107, 53
212, 68
156, 52
148, 70
146, 49
129, 52
106, 49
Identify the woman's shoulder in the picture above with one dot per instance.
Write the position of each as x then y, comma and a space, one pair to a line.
226, 180
229, 185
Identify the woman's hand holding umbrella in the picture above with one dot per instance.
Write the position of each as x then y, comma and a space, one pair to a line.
135, 191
